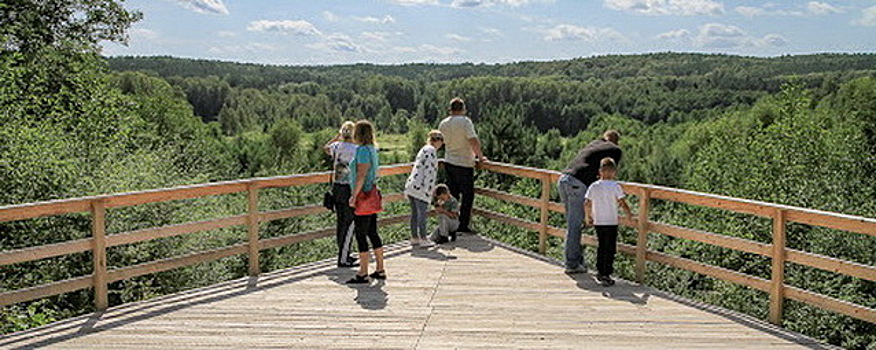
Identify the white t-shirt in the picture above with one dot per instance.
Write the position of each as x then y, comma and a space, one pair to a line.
457, 130
342, 153
604, 195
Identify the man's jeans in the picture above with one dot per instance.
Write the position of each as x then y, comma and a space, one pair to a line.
572, 193
460, 180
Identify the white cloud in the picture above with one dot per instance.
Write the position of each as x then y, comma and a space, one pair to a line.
721, 36
488, 3
868, 17
446, 51
143, 34
386, 19
331, 17
379, 36
675, 34
821, 8
812, 8
414, 2
226, 34
491, 31
748, 11
247, 48
771, 40
667, 7
338, 43
568, 32
303, 28
216, 7
457, 37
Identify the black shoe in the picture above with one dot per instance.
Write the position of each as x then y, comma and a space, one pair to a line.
381, 275
348, 264
441, 240
358, 280
453, 236
605, 281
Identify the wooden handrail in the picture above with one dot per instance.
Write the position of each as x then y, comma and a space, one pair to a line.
780, 254
777, 251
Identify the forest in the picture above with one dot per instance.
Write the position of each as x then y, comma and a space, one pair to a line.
796, 130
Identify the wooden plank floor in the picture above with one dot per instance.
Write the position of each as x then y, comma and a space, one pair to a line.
473, 294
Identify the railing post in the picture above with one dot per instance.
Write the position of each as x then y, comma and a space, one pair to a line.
545, 213
642, 237
777, 287
252, 222
98, 236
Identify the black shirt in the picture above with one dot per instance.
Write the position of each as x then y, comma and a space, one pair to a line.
585, 166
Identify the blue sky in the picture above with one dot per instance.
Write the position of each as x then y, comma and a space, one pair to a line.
321, 32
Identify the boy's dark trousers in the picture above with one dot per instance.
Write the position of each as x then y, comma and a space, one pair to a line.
607, 236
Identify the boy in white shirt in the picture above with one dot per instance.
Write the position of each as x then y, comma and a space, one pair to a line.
600, 206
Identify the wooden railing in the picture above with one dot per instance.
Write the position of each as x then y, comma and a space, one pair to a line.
777, 251
100, 241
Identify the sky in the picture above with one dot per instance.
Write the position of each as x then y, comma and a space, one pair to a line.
329, 32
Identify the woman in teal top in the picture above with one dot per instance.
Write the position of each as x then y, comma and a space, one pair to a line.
363, 174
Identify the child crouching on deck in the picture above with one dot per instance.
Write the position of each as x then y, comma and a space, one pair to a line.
447, 208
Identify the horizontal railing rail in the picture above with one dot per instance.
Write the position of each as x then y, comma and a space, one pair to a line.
778, 252
100, 241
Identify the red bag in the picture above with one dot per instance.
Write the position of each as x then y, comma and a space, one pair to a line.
369, 202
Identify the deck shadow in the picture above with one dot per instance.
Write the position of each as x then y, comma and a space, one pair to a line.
87, 324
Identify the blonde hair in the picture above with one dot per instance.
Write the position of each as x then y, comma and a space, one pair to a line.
363, 133
607, 164
435, 135
346, 130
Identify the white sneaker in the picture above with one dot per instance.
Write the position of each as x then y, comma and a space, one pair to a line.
415, 242
426, 243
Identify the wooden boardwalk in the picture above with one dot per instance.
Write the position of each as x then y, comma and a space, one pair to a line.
473, 294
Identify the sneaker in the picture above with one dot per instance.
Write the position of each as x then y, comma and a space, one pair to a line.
453, 236
441, 240
425, 243
381, 275
416, 242
348, 264
576, 270
605, 281
358, 280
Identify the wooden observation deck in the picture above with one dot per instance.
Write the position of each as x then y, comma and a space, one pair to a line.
474, 293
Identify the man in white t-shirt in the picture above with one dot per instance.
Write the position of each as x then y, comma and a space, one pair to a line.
600, 206
462, 149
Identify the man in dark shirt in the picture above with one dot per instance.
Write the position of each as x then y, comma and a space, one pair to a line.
581, 172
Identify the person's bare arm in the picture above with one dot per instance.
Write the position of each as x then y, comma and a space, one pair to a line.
476, 147
626, 207
588, 212
361, 173
328, 146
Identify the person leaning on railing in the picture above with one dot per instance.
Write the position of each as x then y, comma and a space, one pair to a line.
582, 171
363, 174
342, 150
461, 148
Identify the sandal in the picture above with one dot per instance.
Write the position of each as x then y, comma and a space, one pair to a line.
358, 280
381, 275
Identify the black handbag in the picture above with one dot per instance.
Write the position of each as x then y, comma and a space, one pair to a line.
328, 200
